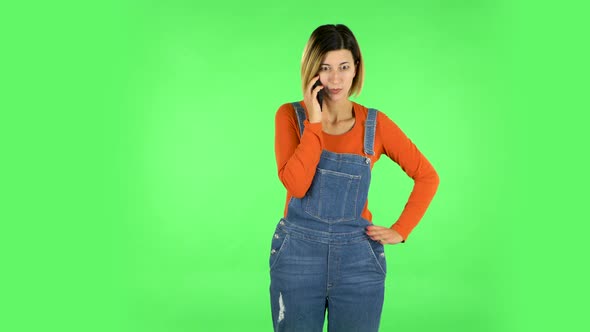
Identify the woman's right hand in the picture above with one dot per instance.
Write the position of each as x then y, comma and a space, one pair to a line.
311, 101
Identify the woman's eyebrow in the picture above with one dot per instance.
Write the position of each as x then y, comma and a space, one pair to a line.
341, 63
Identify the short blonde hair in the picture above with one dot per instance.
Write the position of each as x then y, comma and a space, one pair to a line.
326, 38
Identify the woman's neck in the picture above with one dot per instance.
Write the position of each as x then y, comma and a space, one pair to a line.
338, 111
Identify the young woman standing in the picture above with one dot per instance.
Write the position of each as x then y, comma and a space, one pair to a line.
326, 254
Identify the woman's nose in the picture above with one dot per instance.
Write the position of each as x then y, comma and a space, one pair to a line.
335, 76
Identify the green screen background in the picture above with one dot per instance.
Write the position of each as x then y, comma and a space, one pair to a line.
140, 189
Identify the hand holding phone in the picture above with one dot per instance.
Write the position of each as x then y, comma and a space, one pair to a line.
320, 95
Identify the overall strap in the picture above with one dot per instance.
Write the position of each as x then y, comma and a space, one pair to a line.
300, 115
370, 124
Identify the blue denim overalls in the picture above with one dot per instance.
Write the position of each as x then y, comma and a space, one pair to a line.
321, 257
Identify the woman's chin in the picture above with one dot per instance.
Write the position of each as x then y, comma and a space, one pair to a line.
336, 98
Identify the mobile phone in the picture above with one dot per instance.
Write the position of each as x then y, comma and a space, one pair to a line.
320, 95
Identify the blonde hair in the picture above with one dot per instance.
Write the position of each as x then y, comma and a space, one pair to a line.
326, 38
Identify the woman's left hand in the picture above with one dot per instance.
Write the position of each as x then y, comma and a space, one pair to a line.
384, 235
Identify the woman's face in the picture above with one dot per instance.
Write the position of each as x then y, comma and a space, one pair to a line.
336, 74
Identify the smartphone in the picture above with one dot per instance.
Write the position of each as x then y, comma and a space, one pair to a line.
320, 96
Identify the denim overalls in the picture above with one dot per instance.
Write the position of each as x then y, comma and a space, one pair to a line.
321, 256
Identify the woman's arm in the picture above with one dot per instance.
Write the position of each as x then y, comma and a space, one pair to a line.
399, 148
297, 157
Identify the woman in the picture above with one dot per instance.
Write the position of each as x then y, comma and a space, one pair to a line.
326, 254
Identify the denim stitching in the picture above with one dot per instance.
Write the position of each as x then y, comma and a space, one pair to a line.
300, 116
278, 252
316, 213
375, 256
335, 173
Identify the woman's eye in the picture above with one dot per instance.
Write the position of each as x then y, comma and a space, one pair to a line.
324, 68
344, 67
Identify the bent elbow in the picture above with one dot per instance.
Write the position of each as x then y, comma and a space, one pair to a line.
435, 179
294, 188
430, 179
297, 193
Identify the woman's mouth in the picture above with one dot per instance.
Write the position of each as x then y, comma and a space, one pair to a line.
334, 91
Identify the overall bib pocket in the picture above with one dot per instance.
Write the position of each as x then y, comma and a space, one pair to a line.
333, 196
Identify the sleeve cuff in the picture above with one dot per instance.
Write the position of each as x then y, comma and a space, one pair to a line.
315, 127
401, 232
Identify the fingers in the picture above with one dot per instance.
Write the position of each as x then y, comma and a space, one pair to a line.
376, 233
311, 83
381, 234
315, 90
376, 230
311, 101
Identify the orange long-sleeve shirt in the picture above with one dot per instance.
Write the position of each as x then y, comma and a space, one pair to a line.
298, 156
